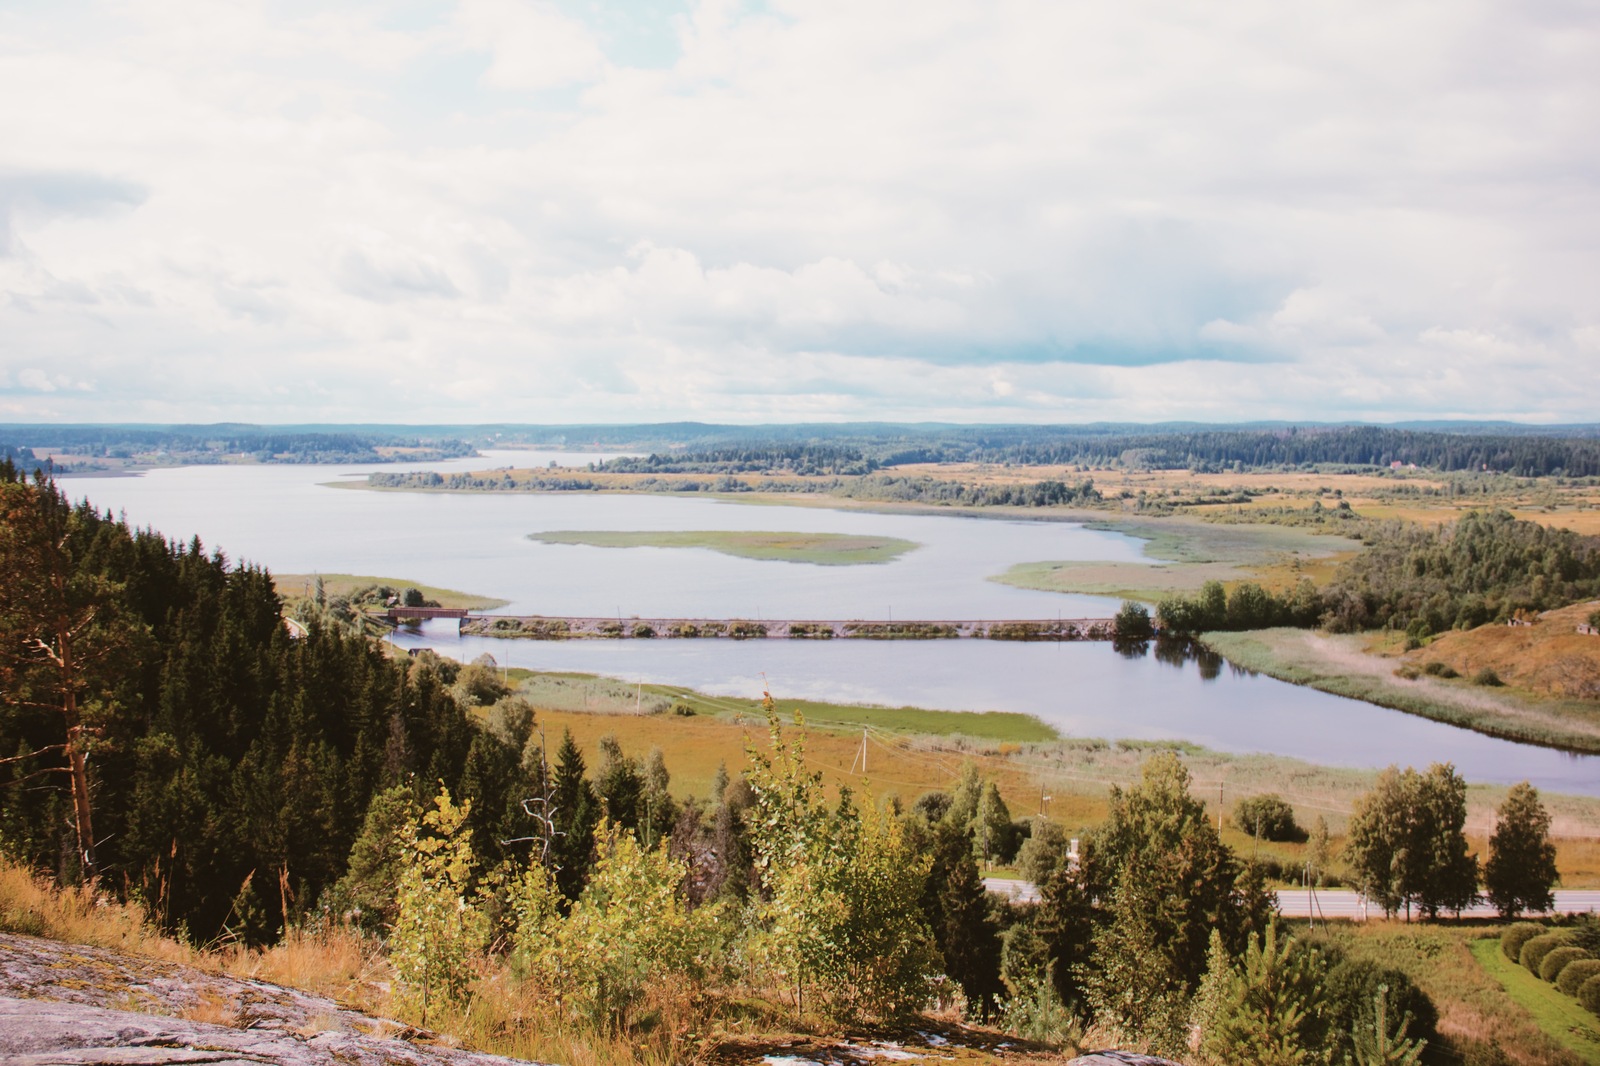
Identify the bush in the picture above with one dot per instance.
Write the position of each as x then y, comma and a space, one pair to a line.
1589, 995
1268, 817
1488, 677
1515, 936
1351, 987
1557, 960
1133, 622
1576, 973
1534, 951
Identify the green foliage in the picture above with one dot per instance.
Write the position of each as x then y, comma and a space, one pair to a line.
1534, 951
366, 894
1351, 990
1044, 852
840, 914
956, 908
992, 836
1263, 1010
1479, 569
1378, 1044
1515, 936
1575, 973
629, 930
1267, 817
221, 746
1521, 871
1034, 1011
1164, 881
1552, 964
1487, 677
1589, 995
1406, 845
439, 932
1132, 622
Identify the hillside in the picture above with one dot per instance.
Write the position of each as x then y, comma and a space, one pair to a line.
1549, 657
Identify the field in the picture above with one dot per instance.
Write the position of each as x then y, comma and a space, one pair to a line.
298, 585
827, 549
910, 751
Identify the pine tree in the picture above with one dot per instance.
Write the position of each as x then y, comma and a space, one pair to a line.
1521, 871
577, 812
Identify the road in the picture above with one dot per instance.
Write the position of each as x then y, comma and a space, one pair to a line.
1329, 902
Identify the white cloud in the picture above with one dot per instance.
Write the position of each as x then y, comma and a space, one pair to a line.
534, 46
821, 209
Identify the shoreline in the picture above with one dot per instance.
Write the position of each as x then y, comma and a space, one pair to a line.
1338, 666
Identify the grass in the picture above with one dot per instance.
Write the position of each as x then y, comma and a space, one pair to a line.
913, 750
826, 549
1341, 665
1444, 960
1558, 1016
1186, 554
298, 585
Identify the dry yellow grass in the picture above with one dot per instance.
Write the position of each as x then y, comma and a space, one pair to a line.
1549, 657
35, 906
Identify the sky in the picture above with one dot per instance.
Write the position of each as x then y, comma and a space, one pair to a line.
799, 210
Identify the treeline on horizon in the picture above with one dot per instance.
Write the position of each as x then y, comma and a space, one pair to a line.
1202, 450
199, 444
862, 448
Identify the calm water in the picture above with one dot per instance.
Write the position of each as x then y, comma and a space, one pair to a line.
287, 519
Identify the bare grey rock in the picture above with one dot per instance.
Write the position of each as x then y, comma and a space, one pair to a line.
71, 1005
1120, 1058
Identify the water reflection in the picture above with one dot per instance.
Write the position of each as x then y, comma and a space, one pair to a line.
1180, 651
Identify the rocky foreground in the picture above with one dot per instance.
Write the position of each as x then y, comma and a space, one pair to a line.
70, 1004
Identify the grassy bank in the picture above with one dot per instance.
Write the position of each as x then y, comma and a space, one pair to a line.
1340, 665
1185, 554
910, 751
1559, 1017
1452, 963
827, 549
294, 586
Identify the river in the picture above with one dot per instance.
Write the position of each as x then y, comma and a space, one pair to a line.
289, 519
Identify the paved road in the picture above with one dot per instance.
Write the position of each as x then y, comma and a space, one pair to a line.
1329, 903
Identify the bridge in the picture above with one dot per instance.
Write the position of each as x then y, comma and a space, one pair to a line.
549, 627
400, 615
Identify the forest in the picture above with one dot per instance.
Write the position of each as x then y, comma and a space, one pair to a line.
167, 740
1487, 566
211, 444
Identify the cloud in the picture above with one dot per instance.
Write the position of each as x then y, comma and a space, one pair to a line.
532, 44
491, 210
42, 194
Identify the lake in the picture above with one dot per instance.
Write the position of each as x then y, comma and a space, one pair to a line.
288, 519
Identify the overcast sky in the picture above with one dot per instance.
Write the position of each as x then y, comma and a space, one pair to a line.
543, 211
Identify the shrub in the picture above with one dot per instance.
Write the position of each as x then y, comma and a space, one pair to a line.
1351, 987
1557, 960
643, 631
1133, 622
1589, 995
1269, 817
1515, 936
1488, 677
1576, 973
1534, 951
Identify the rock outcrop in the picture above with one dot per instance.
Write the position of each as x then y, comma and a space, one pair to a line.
71, 1005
